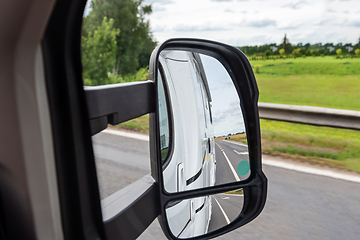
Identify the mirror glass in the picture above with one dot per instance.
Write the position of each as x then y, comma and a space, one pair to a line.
202, 134
198, 216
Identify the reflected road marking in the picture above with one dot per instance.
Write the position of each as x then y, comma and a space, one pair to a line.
241, 153
223, 212
230, 165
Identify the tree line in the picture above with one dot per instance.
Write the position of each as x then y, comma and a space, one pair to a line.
116, 42
286, 49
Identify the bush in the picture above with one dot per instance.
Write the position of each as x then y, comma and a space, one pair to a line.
338, 52
357, 52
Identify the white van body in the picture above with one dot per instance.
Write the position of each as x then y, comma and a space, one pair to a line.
192, 163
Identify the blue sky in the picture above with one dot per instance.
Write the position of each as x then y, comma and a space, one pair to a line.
254, 22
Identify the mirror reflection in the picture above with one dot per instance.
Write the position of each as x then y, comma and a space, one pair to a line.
198, 216
202, 132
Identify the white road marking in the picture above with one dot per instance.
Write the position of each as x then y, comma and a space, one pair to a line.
237, 143
230, 165
223, 212
241, 153
138, 136
311, 170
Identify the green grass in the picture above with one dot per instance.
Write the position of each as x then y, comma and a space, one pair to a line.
140, 124
309, 65
164, 153
236, 191
322, 145
331, 91
319, 81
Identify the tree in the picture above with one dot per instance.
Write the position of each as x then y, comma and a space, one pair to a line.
296, 52
309, 52
286, 45
357, 52
285, 41
282, 52
267, 53
98, 52
338, 52
135, 43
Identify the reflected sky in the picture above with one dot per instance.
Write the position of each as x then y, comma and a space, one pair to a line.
226, 112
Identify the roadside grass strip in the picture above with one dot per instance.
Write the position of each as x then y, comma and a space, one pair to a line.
327, 146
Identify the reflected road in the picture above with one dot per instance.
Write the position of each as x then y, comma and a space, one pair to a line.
228, 155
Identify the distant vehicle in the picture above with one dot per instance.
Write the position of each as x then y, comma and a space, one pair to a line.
193, 165
227, 137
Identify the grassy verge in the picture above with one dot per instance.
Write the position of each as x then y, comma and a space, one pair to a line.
238, 137
140, 124
309, 65
236, 191
319, 145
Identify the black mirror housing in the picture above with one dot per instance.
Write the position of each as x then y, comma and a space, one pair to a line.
255, 186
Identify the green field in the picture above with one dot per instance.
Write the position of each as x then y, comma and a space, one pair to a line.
313, 81
140, 124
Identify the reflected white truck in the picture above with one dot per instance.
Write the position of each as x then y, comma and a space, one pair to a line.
192, 163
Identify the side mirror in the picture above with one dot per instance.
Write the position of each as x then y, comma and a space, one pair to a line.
206, 95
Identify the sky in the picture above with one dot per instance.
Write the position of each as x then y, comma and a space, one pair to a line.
226, 113
256, 22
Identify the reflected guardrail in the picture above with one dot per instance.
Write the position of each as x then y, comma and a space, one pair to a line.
319, 116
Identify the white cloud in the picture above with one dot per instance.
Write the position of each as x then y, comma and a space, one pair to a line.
163, 2
202, 27
303, 21
295, 5
157, 8
261, 23
355, 23
229, 10
289, 25
158, 28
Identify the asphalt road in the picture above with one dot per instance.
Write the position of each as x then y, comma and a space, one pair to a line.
225, 208
299, 205
228, 156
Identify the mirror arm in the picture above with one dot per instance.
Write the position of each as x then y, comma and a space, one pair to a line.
128, 212
117, 103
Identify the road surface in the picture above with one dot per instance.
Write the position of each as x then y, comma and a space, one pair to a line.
299, 205
228, 156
